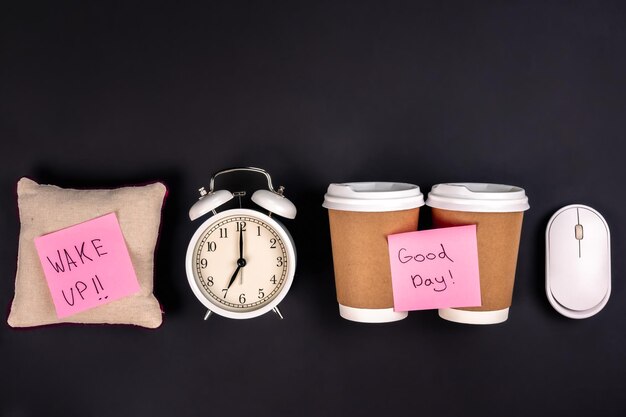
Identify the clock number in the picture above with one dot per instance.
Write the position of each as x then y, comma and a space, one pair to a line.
203, 263
225, 291
273, 244
261, 293
209, 281
223, 232
241, 226
211, 246
242, 298
258, 230
273, 279
279, 261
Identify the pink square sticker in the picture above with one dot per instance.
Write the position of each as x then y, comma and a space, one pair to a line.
435, 268
87, 265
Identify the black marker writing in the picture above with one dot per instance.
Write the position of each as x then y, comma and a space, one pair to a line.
403, 257
96, 284
93, 242
82, 291
81, 287
81, 253
55, 265
72, 293
65, 260
418, 281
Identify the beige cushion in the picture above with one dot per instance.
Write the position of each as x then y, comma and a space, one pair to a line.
47, 208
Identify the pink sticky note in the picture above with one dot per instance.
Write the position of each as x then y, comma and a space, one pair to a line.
435, 269
87, 265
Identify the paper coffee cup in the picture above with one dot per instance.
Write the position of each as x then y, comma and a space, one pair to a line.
497, 211
361, 216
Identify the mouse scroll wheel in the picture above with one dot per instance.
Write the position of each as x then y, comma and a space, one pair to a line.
578, 231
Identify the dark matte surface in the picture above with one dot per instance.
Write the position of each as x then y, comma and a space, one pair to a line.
519, 93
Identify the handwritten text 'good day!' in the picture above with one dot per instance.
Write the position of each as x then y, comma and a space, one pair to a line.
438, 283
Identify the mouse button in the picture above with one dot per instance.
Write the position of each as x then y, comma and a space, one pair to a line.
563, 252
595, 246
593, 224
561, 242
562, 225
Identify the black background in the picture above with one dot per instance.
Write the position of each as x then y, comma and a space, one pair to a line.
112, 93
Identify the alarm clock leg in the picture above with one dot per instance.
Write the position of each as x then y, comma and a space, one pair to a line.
208, 313
277, 311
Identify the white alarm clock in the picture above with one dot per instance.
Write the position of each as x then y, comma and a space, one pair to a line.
240, 262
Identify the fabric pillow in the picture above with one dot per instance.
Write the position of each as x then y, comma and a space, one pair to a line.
47, 208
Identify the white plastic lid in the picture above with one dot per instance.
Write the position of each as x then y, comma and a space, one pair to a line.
371, 315
373, 196
478, 197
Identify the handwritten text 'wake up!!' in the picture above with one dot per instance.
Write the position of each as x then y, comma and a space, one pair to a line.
64, 262
87, 265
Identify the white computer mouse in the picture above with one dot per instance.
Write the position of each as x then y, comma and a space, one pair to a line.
578, 261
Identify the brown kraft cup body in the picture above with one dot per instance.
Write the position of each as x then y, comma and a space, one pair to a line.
361, 216
361, 255
498, 236
497, 210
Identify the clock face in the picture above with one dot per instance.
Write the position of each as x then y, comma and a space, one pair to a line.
240, 262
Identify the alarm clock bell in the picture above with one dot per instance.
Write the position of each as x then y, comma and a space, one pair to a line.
275, 202
209, 202
271, 200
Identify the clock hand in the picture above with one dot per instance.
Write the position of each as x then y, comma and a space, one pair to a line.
241, 249
232, 279
241, 262
241, 243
